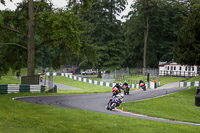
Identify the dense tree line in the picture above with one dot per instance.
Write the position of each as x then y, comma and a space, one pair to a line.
87, 34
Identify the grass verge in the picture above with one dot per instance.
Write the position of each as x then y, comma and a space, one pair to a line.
9, 80
84, 87
178, 106
167, 80
19, 117
197, 78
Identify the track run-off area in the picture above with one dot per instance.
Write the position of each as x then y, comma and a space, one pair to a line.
97, 102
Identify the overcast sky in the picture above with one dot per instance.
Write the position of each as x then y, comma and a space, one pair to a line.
57, 4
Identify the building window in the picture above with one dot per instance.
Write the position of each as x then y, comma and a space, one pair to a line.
185, 68
168, 67
180, 68
192, 68
171, 67
174, 67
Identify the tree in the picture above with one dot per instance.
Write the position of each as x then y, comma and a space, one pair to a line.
31, 43
102, 38
188, 46
57, 29
107, 34
161, 31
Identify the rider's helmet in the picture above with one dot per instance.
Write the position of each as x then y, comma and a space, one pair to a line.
125, 82
117, 83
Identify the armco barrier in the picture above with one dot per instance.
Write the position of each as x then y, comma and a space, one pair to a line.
185, 84
21, 88
108, 84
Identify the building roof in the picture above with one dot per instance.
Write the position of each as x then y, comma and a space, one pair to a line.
162, 63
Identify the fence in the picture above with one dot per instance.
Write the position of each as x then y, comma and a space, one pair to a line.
115, 74
17, 88
185, 84
101, 83
151, 71
177, 73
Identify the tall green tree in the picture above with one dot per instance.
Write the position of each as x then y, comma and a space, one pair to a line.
107, 33
188, 46
102, 38
156, 25
44, 27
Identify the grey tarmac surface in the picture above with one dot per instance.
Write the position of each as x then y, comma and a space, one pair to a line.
97, 102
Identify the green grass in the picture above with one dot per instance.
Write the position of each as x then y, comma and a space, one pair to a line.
166, 80
84, 87
9, 80
22, 117
23, 72
17, 116
178, 106
197, 78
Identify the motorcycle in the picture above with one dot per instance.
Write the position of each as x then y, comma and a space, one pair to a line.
41, 79
115, 91
126, 90
121, 86
142, 85
115, 102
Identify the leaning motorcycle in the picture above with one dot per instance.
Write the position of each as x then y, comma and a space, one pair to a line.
143, 86
115, 101
126, 90
115, 91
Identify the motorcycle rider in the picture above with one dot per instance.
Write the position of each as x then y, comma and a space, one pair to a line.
125, 83
121, 86
118, 87
124, 86
141, 82
119, 98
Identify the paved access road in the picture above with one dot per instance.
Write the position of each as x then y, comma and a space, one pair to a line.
97, 102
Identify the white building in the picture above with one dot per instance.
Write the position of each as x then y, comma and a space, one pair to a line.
175, 69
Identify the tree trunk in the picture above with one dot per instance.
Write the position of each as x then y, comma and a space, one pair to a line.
31, 44
99, 74
111, 10
146, 32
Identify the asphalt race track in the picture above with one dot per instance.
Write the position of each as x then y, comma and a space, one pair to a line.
97, 102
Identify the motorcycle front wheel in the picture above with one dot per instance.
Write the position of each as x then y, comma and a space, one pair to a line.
113, 105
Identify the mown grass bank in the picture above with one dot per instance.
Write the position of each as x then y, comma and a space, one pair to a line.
84, 87
178, 106
197, 78
9, 80
21, 117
